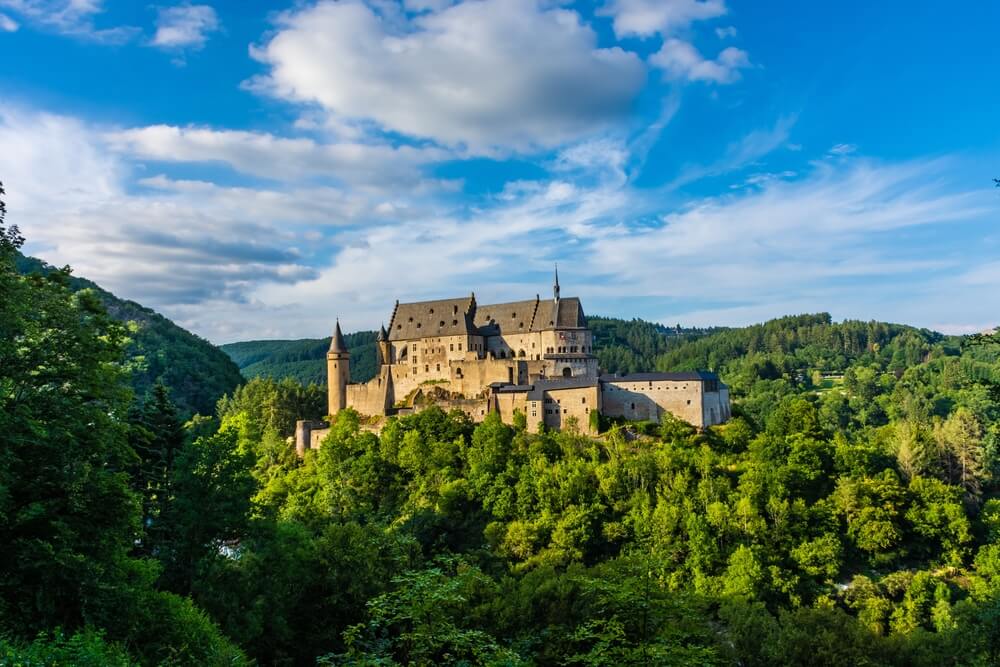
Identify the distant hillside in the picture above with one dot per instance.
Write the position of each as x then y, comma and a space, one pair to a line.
197, 372
303, 359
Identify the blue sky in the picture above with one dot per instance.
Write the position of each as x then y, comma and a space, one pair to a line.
256, 169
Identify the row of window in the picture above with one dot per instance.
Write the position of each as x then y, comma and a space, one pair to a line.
651, 387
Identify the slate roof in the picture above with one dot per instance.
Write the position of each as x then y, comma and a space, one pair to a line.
444, 317
337, 340
531, 316
538, 390
463, 316
682, 376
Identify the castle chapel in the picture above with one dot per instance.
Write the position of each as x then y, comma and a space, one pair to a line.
533, 356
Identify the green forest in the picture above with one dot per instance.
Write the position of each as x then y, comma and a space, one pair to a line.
848, 515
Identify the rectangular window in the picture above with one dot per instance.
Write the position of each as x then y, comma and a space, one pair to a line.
414, 347
459, 347
439, 368
583, 399
451, 347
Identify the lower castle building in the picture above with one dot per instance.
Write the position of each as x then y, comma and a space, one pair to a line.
533, 356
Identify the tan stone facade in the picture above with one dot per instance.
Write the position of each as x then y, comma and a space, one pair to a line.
534, 357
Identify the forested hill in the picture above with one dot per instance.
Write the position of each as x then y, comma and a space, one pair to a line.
196, 372
304, 359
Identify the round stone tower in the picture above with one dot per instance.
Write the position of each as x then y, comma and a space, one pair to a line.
338, 372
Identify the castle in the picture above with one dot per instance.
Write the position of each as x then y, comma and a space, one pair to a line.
533, 356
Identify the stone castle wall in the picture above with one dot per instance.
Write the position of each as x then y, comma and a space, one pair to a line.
649, 399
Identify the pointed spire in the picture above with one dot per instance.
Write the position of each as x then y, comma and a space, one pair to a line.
383, 335
555, 287
337, 341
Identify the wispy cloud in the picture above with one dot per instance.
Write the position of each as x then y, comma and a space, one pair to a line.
184, 27
7, 24
74, 18
643, 18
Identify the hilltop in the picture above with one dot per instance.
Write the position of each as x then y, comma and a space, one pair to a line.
197, 372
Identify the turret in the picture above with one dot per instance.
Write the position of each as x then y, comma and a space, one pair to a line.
382, 347
338, 372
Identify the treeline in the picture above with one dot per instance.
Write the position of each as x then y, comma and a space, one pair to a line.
302, 360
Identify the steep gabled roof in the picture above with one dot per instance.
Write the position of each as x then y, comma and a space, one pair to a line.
532, 316
512, 317
444, 317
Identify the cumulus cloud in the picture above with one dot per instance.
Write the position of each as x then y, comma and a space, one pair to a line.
496, 74
7, 24
644, 18
74, 18
184, 26
681, 60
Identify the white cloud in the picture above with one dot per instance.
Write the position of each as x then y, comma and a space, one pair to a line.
74, 18
184, 26
726, 32
822, 234
496, 74
7, 24
279, 158
842, 149
681, 60
165, 242
750, 148
644, 18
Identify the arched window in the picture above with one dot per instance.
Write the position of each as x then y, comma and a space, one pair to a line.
567, 372
521, 353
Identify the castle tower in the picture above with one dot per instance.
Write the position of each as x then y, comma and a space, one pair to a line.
382, 347
338, 372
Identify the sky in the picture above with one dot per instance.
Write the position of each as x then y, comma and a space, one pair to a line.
257, 169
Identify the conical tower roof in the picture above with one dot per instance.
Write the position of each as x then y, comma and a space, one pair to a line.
337, 342
383, 335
